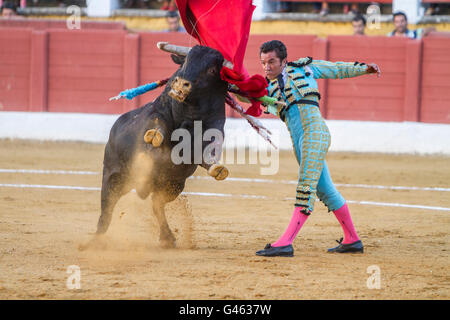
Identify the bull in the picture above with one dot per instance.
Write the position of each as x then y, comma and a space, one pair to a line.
138, 152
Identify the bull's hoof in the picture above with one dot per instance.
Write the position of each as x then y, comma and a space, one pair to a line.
218, 171
154, 136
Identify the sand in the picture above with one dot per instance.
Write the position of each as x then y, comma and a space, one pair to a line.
41, 230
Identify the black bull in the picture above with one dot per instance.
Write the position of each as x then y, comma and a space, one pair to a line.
138, 152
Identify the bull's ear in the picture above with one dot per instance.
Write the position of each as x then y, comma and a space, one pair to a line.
178, 59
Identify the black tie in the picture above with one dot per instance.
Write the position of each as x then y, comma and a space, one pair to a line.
280, 81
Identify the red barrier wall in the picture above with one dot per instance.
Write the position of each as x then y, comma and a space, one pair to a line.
368, 97
15, 57
435, 93
63, 70
85, 68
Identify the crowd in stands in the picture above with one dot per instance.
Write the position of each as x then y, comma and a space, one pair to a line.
322, 8
400, 20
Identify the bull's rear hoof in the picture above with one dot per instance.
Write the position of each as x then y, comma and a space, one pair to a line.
218, 171
154, 136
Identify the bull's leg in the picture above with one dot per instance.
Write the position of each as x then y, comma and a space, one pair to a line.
155, 135
112, 190
159, 199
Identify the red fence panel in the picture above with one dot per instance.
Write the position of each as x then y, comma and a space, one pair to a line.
85, 70
435, 97
15, 56
368, 97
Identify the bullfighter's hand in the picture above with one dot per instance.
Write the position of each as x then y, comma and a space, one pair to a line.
373, 68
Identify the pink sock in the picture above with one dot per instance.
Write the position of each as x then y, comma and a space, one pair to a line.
297, 221
344, 218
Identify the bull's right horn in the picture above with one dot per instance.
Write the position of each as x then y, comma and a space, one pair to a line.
179, 50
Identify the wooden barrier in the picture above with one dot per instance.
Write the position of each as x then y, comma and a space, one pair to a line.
61, 70
86, 68
15, 70
368, 97
435, 85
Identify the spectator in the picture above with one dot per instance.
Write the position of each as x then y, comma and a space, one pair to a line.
323, 8
173, 22
432, 9
169, 5
359, 25
401, 28
9, 11
351, 9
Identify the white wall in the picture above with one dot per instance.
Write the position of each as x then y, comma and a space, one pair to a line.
412, 8
352, 136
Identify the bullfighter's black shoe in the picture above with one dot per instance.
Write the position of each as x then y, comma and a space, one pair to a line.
269, 251
356, 246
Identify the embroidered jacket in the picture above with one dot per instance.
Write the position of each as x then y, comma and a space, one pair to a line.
300, 83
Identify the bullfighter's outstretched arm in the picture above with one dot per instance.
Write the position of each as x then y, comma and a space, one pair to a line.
338, 70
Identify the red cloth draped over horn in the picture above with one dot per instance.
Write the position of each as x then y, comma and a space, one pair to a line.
224, 25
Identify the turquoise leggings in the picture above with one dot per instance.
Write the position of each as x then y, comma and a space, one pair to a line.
311, 140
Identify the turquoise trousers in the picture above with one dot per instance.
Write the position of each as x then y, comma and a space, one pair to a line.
311, 140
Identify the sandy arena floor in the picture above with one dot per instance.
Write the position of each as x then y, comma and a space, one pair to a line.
41, 229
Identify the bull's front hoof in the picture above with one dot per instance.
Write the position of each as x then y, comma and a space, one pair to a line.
218, 171
154, 136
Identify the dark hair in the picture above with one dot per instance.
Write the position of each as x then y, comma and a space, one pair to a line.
400, 13
274, 45
359, 17
8, 5
172, 14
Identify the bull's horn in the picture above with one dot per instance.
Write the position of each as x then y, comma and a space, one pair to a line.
184, 51
179, 50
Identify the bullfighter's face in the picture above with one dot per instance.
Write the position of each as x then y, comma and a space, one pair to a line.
200, 72
272, 65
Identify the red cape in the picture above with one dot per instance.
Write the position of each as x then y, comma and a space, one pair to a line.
224, 25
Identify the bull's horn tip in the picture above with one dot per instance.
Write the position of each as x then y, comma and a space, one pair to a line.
161, 44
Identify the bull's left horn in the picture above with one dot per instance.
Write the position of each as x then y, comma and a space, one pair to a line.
184, 51
179, 50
